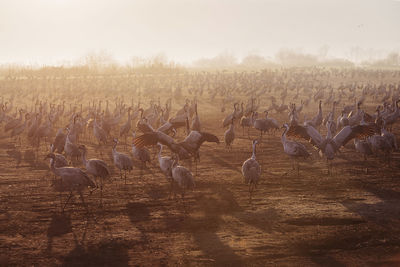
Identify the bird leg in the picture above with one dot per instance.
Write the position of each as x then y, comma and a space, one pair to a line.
327, 163
183, 200
60, 199
154, 152
83, 202
69, 197
250, 191
365, 164
298, 168
171, 187
330, 167
175, 194
195, 162
101, 192
190, 163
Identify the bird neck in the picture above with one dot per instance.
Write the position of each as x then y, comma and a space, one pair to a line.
253, 156
187, 126
52, 165
362, 122
174, 164
329, 133
84, 161
162, 119
159, 152
283, 138
333, 110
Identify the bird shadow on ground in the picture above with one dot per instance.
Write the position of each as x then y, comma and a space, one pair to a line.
40, 166
264, 220
6, 145
108, 252
157, 191
138, 211
139, 215
223, 163
204, 229
322, 259
384, 212
318, 249
205, 223
105, 253
60, 225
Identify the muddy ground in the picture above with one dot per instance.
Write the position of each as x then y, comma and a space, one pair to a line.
349, 218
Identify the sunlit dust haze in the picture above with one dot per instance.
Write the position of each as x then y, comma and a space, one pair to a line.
57, 31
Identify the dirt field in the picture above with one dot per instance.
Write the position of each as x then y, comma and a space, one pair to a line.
350, 218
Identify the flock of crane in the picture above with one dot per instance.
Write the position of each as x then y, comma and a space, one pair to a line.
157, 127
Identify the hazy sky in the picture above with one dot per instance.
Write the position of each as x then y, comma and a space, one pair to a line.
49, 31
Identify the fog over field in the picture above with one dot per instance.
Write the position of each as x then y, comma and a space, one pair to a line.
61, 31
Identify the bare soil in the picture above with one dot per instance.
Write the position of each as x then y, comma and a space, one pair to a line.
349, 218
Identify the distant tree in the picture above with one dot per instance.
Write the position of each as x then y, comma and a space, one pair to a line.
254, 61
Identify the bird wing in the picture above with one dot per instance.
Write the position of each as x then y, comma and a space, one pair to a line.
350, 132
208, 137
60, 138
151, 139
368, 118
144, 127
165, 128
178, 124
179, 120
61, 159
228, 119
188, 148
192, 137
251, 164
308, 133
195, 139
300, 149
75, 177
88, 181
102, 166
273, 123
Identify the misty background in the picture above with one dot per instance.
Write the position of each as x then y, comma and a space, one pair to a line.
204, 33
